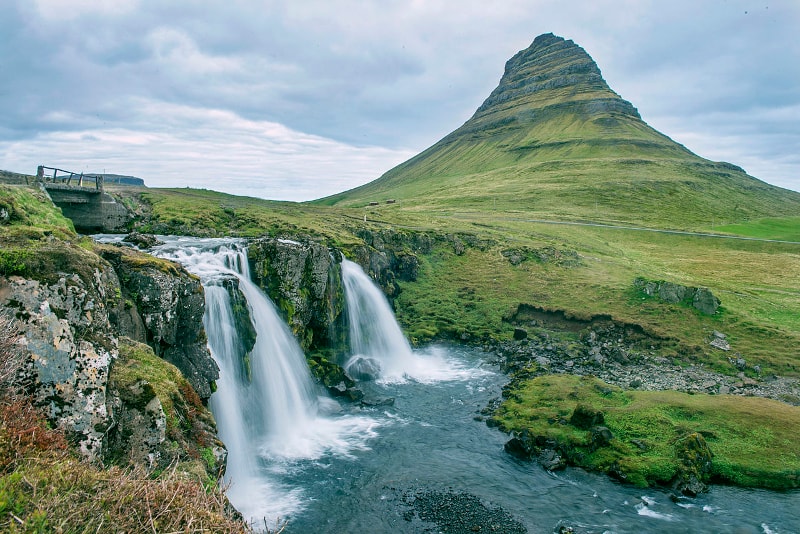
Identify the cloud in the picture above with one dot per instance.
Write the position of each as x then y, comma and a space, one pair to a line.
377, 78
213, 149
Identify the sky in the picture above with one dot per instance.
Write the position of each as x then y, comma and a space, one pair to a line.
300, 99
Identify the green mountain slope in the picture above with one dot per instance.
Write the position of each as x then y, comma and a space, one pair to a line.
554, 141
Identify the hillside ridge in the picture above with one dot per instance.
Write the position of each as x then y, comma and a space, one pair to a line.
555, 140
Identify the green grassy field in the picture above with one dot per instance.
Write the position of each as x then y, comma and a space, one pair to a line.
752, 439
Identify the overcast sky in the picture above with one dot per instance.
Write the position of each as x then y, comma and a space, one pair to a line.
298, 99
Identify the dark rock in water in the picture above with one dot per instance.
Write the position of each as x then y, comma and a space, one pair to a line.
361, 368
586, 417
142, 241
377, 401
334, 378
551, 460
695, 456
460, 513
515, 447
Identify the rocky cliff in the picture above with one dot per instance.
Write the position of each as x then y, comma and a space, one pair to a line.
115, 397
303, 279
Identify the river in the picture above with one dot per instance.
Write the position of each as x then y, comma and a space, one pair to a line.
420, 458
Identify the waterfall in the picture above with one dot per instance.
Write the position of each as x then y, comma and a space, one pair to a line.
379, 348
276, 417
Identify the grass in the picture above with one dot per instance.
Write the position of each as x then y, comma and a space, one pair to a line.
206, 213
782, 228
752, 439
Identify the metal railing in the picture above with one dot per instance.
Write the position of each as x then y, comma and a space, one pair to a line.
66, 177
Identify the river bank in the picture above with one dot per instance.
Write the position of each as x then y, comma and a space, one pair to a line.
606, 405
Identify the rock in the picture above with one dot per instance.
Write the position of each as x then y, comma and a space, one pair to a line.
520, 334
373, 402
673, 293
700, 297
695, 459
140, 386
719, 341
168, 305
515, 447
363, 368
334, 378
551, 460
705, 301
142, 241
303, 279
140, 424
68, 341
601, 437
585, 417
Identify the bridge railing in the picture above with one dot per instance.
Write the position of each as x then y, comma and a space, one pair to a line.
66, 177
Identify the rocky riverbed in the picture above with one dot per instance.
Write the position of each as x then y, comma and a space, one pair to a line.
607, 353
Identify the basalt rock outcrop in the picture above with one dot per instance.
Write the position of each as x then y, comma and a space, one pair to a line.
701, 298
67, 335
74, 310
163, 306
303, 279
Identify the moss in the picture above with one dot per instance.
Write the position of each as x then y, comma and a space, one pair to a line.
655, 433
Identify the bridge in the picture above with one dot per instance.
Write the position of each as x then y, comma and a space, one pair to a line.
83, 199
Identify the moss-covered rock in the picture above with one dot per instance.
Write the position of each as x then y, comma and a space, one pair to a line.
166, 311
158, 418
302, 277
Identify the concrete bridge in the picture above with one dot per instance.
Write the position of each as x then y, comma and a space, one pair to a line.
83, 199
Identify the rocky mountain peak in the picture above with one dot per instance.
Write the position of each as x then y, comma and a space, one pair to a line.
553, 71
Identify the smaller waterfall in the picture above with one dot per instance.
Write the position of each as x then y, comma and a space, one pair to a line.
379, 348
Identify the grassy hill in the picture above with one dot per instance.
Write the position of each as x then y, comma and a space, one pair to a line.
554, 141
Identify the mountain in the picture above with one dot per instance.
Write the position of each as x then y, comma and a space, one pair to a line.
554, 140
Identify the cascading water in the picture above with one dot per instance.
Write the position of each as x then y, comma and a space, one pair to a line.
379, 348
431, 442
275, 417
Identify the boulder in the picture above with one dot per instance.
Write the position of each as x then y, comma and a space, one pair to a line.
585, 417
363, 368
673, 293
601, 436
695, 465
705, 301
701, 298
142, 241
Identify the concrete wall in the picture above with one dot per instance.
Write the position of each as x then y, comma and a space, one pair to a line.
90, 209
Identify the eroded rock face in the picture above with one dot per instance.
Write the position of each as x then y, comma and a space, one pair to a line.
66, 334
303, 279
164, 307
72, 319
142, 390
